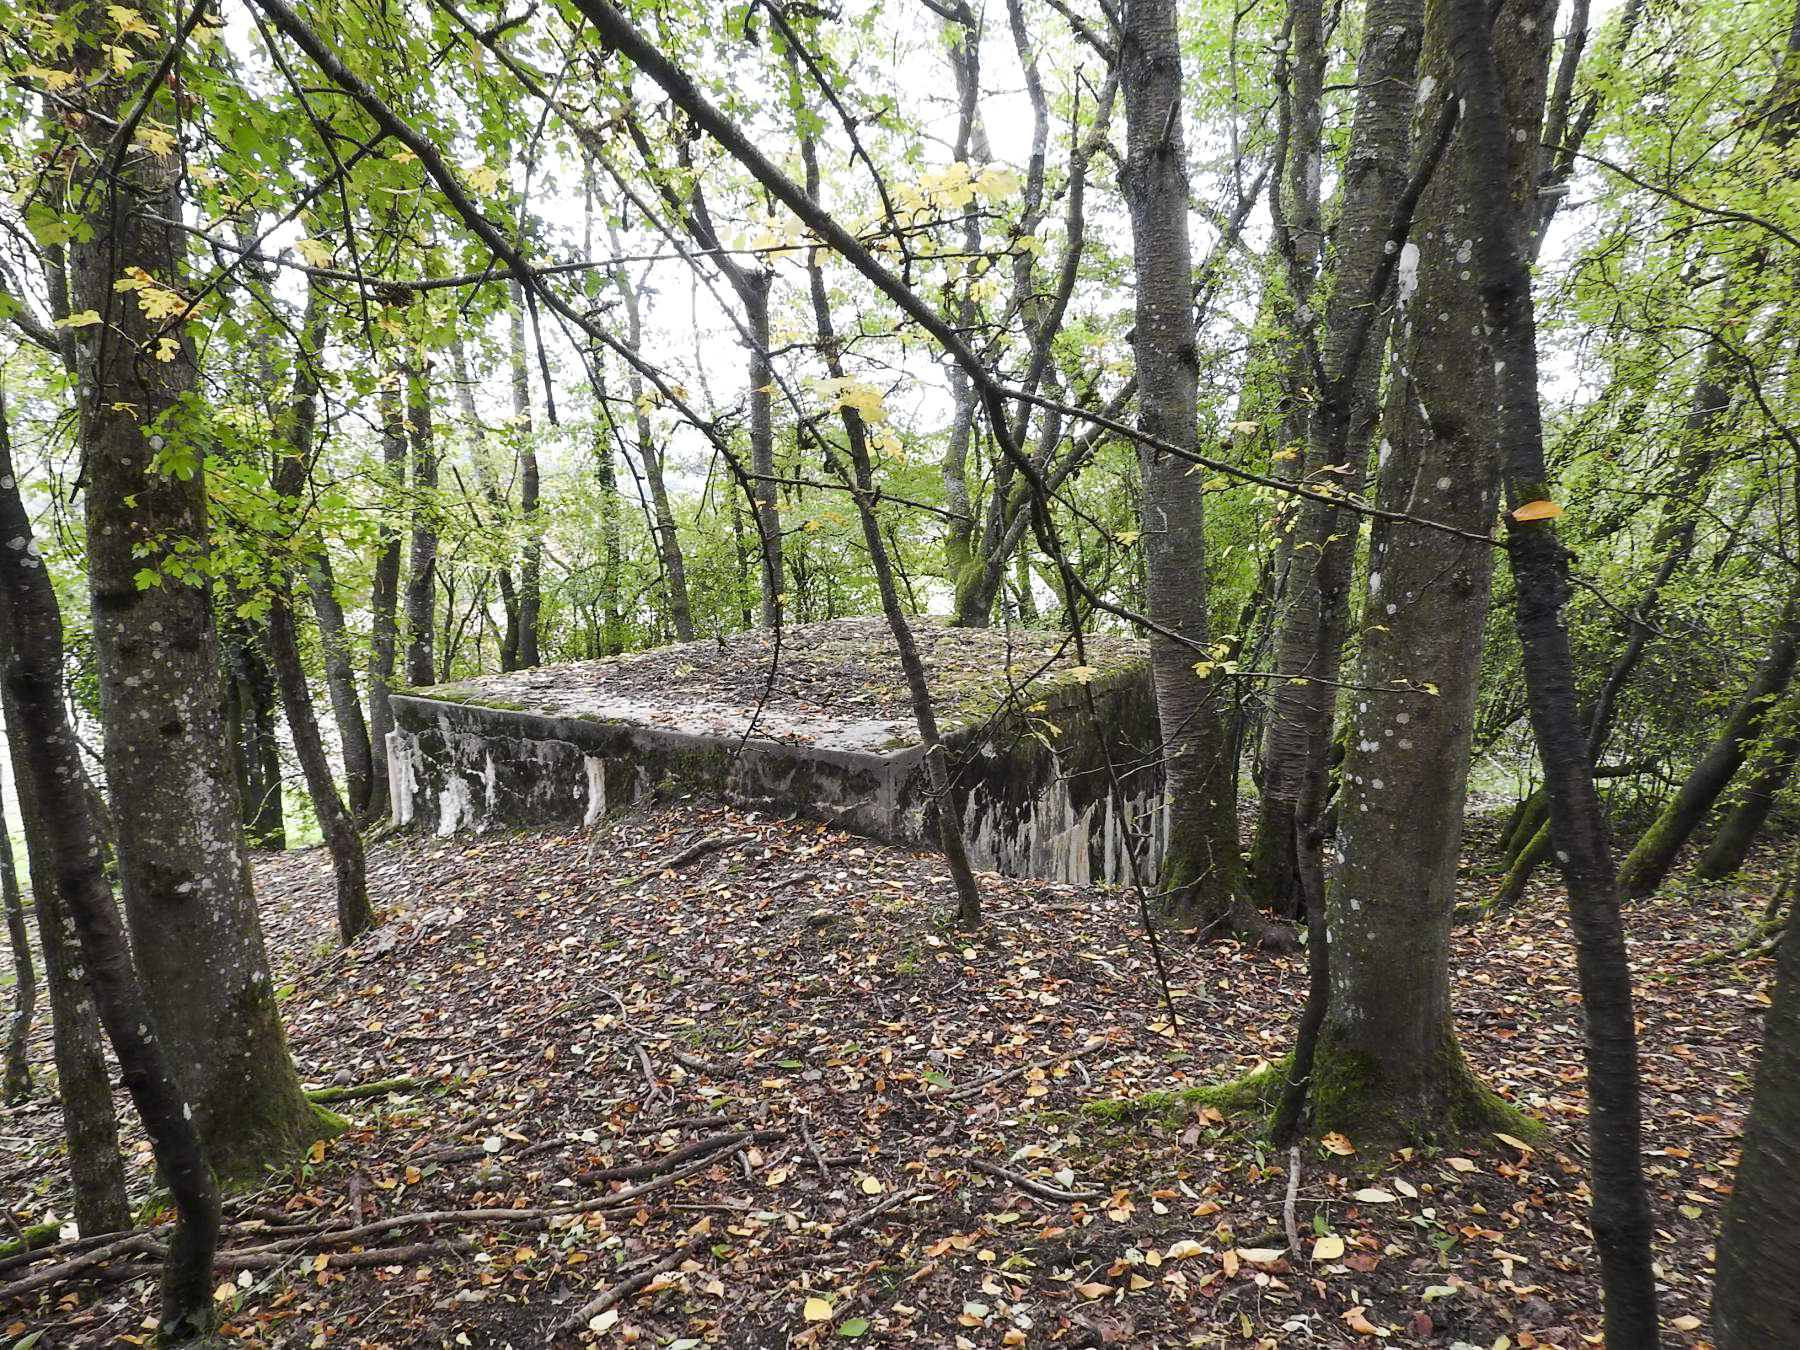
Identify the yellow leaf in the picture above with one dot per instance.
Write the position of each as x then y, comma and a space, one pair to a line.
1361, 1324
119, 58
1082, 674
872, 1186
1460, 1165
1328, 1248
80, 320
1687, 1322
1139, 1282
484, 178
1519, 1144
1371, 1195
1248, 428
224, 1291
816, 1310
316, 1154
1336, 1143
54, 79
322, 1260
1184, 1248
1093, 1289
1538, 510
1260, 1256
129, 21
167, 349
316, 252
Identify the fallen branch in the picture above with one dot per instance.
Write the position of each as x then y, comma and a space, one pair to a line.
372, 1256
1043, 1190
699, 1148
1287, 1206
624, 1289
874, 1212
76, 1265
711, 844
970, 1089
381, 1089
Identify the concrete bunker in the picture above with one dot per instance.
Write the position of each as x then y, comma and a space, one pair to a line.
817, 725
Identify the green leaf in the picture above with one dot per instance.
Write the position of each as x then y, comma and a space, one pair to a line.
852, 1327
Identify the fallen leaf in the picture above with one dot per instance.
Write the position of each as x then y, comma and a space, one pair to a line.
1328, 1248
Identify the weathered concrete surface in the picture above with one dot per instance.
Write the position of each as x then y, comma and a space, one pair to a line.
823, 732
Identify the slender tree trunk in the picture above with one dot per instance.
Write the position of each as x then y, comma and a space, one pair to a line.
1316, 617
250, 713
18, 1031
46, 756
384, 593
753, 289
497, 504
186, 884
1202, 882
421, 576
912, 666
292, 469
1389, 1066
340, 686
531, 567
1620, 1217
1649, 861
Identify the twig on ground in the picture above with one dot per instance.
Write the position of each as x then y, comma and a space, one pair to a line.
873, 1212
76, 1265
381, 1089
970, 1089
372, 1256
624, 1289
1043, 1190
812, 1146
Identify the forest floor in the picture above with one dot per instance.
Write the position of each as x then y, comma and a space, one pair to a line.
712, 1079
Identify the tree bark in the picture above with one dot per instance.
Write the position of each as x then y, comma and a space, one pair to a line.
18, 1029
182, 868
1389, 1067
1650, 859
1620, 1216
46, 757
1202, 882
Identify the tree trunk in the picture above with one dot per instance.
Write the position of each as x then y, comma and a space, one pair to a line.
292, 470
1620, 1216
531, 567
1316, 617
1770, 771
1756, 1299
18, 1031
83, 1076
384, 592
1389, 1067
186, 883
1649, 861
753, 289
421, 576
340, 685
50, 772
1202, 882
256, 753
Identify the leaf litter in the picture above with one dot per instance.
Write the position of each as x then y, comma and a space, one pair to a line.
626, 1090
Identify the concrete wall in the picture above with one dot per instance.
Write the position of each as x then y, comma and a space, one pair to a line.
1037, 794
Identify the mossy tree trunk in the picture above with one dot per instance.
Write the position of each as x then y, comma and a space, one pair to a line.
195, 932
1653, 854
422, 551
1388, 1066
1770, 771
